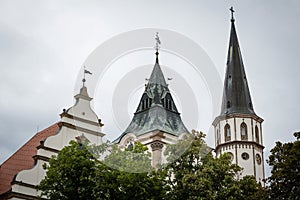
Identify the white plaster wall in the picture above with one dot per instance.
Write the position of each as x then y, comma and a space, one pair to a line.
24, 190
61, 139
83, 106
34, 175
43, 152
259, 167
81, 124
247, 165
250, 166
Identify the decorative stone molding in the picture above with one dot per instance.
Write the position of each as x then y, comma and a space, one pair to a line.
157, 145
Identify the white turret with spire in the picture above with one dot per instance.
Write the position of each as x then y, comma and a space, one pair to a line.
78, 123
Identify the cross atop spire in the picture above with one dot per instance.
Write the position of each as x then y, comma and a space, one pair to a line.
232, 11
236, 95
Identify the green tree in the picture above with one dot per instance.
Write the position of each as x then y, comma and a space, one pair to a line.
70, 174
75, 174
285, 174
198, 175
131, 175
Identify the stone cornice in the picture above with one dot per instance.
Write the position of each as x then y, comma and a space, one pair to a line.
41, 146
39, 157
60, 124
238, 142
23, 196
237, 115
23, 184
67, 115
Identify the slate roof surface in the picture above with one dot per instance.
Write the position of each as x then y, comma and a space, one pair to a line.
236, 94
156, 110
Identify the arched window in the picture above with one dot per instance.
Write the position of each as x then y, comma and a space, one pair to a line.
256, 134
244, 135
227, 133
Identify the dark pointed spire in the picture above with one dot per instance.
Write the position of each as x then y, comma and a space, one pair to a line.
157, 76
236, 95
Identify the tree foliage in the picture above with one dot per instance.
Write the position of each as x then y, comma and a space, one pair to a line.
198, 175
71, 174
285, 175
192, 173
75, 174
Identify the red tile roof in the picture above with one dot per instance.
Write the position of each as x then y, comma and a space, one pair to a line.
22, 158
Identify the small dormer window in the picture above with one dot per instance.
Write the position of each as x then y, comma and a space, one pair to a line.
228, 104
145, 103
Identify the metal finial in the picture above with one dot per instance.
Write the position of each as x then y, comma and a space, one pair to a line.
157, 45
85, 71
232, 11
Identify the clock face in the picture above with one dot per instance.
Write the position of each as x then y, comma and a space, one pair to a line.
245, 156
258, 159
231, 156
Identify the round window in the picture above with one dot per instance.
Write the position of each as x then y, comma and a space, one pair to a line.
245, 156
258, 159
231, 156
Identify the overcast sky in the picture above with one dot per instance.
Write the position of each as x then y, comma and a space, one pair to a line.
43, 45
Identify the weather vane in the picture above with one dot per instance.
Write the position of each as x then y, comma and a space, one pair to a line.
85, 71
232, 11
157, 45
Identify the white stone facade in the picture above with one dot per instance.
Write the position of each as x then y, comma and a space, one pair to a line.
78, 121
243, 141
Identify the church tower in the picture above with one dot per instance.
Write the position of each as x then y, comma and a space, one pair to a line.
156, 121
238, 130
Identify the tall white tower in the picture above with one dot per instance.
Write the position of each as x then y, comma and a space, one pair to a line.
238, 130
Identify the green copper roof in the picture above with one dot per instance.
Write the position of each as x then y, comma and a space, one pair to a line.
236, 95
156, 110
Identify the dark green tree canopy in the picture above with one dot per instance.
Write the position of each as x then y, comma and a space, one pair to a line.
199, 175
285, 175
192, 173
